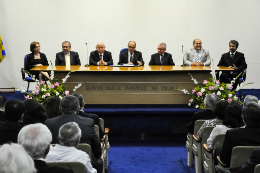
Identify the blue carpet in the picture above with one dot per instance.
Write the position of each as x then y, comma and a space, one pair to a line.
148, 159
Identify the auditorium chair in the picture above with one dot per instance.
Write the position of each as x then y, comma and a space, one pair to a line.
27, 79
257, 168
208, 163
105, 139
77, 167
97, 131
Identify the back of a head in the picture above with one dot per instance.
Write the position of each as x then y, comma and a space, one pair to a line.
250, 99
251, 114
219, 108
35, 112
13, 159
3, 102
14, 110
35, 138
80, 98
51, 106
69, 104
69, 134
233, 117
210, 100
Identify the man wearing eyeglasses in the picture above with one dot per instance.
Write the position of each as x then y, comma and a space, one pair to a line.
131, 56
196, 56
162, 57
100, 56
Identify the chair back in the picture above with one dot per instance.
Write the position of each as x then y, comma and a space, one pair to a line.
206, 133
97, 131
122, 50
197, 125
257, 168
102, 123
25, 58
86, 148
219, 140
77, 167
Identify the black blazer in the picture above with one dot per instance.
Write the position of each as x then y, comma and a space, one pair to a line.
88, 133
137, 57
28, 63
202, 115
250, 165
96, 120
94, 58
60, 59
2, 116
238, 60
42, 167
247, 136
167, 59
9, 132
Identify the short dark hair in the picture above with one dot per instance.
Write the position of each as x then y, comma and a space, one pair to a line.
34, 113
251, 114
33, 45
219, 109
233, 117
234, 42
14, 110
52, 106
3, 101
80, 98
132, 41
69, 104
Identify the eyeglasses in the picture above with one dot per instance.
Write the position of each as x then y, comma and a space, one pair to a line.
37, 46
130, 47
100, 47
160, 49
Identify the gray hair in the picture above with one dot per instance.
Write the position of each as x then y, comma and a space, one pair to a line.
66, 42
210, 100
80, 97
250, 99
35, 138
163, 44
69, 104
69, 134
13, 158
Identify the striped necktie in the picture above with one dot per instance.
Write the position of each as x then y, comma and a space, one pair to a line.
197, 58
162, 59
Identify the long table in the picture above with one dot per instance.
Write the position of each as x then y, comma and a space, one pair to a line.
132, 85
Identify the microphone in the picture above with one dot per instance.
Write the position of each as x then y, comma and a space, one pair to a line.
86, 65
182, 56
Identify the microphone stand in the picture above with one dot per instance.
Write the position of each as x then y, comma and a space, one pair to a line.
86, 65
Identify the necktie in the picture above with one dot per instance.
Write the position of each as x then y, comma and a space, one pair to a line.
232, 57
131, 57
100, 56
197, 58
162, 59
67, 60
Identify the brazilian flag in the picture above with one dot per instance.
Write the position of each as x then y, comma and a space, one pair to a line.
2, 50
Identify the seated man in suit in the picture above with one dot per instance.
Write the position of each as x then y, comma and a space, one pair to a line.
234, 60
36, 139
3, 101
162, 57
196, 56
207, 114
67, 57
70, 108
131, 56
100, 56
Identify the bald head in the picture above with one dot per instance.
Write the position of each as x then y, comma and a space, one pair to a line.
197, 44
100, 47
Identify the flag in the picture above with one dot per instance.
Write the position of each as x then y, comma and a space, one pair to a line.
2, 50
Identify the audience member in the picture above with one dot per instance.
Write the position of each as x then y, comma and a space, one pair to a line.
207, 114
70, 109
250, 99
36, 139
69, 138
14, 159
94, 117
232, 119
3, 101
51, 106
219, 112
14, 110
248, 136
34, 112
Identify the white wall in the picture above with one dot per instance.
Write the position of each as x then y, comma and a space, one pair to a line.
115, 22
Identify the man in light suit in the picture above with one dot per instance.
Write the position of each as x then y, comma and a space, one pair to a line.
131, 56
162, 57
196, 56
67, 57
100, 56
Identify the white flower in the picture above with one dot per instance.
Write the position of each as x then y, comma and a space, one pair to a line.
22, 91
33, 92
74, 89
43, 89
223, 99
195, 81
60, 97
30, 97
52, 74
57, 93
221, 88
43, 96
196, 106
202, 90
185, 91
235, 97
189, 104
229, 95
64, 80
219, 93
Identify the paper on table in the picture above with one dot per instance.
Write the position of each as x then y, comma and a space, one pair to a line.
128, 65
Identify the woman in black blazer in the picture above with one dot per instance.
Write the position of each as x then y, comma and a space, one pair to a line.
36, 58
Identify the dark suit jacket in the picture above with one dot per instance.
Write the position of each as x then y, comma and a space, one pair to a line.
96, 120
94, 58
74, 59
88, 133
167, 59
247, 136
202, 115
28, 63
9, 132
124, 58
238, 60
2, 116
42, 167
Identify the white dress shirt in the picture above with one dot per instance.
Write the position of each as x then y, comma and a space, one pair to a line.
219, 129
69, 154
232, 53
